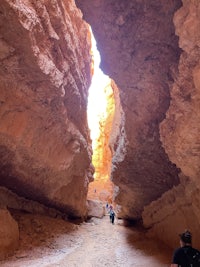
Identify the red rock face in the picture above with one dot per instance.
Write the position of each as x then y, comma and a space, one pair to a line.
180, 130
180, 136
140, 52
9, 237
45, 151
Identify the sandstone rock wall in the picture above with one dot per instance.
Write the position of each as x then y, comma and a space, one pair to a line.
14, 202
45, 151
175, 211
140, 52
179, 209
180, 130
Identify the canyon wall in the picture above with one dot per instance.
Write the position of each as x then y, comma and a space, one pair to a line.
151, 50
180, 136
140, 52
180, 130
45, 148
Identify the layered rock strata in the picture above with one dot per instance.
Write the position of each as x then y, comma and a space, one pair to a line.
180, 136
139, 50
175, 211
45, 151
180, 130
14, 202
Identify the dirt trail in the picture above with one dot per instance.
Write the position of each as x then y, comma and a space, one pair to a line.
52, 242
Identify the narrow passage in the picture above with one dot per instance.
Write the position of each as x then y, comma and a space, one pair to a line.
52, 242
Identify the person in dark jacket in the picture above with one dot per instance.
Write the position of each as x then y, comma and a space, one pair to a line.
112, 216
183, 256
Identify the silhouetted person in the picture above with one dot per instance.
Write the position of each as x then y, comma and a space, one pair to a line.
112, 216
110, 212
186, 255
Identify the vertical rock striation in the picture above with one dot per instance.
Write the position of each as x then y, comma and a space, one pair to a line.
180, 130
179, 208
45, 151
139, 50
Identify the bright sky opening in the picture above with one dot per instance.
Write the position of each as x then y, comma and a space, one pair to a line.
97, 99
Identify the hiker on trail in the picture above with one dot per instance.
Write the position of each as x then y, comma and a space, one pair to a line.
186, 255
107, 206
110, 212
112, 216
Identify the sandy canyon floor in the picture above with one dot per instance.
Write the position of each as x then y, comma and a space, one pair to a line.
52, 242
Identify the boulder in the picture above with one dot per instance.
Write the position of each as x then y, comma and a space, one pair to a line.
9, 234
95, 208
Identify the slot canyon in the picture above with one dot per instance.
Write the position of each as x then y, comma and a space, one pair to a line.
54, 179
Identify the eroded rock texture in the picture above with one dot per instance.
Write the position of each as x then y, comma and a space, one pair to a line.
180, 135
180, 130
140, 52
175, 211
45, 151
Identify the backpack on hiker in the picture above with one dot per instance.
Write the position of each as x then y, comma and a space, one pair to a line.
193, 257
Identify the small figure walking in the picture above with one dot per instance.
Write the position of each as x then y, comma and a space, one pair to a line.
112, 215
110, 212
107, 206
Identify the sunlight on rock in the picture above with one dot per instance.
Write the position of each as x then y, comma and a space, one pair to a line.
100, 115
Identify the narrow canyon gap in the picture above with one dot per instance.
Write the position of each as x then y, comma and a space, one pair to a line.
101, 108
151, 49
138, 50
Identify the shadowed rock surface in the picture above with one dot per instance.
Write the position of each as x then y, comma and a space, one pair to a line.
180, 208
45, 74
139, 50
151, 49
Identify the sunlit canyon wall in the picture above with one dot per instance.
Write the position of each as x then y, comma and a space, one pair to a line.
139, 50
151, 50
102, 188
45, 73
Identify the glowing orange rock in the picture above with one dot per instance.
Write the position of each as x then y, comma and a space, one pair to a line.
102, 187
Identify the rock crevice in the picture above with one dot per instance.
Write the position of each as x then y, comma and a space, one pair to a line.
140, 52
